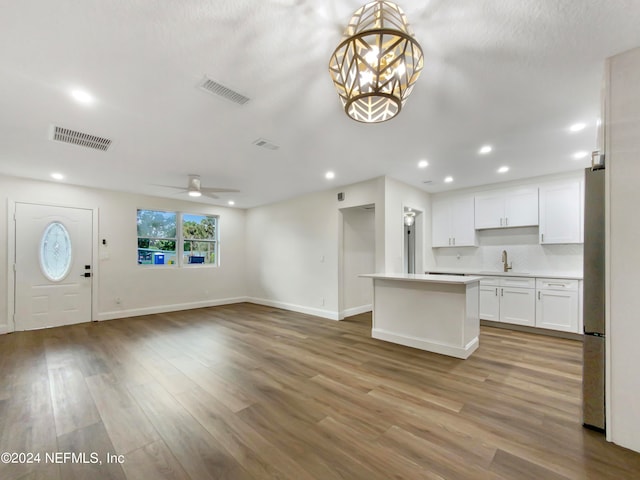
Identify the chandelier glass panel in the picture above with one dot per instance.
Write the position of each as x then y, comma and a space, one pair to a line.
376, 65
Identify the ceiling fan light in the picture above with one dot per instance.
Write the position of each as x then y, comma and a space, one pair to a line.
377, 63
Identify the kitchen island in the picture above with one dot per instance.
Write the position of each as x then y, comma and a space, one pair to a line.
436, 313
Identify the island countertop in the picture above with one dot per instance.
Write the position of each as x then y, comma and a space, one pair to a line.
421, 277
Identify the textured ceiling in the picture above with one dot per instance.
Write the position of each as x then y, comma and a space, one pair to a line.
513, 74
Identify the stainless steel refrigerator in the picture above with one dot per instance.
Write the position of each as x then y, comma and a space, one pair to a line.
593, 380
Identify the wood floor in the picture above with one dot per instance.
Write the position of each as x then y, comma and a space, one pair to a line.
251, 392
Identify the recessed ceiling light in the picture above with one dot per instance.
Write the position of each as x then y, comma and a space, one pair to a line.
485, 149
423, 164
329, 175
580, 155
82, 96
448, 179
57, 176
194, 193
576, 127
504, 169
231, 202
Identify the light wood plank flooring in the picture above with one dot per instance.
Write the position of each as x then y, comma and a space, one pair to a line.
251, 392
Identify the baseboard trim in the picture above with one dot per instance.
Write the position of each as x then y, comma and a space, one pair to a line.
136, 312
538, 331
317, 312
430, 346
350, 312
4, 329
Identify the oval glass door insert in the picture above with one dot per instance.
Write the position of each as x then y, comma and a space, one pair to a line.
55, 252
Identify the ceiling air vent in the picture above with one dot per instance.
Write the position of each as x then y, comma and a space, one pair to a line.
261, 142
210, 86
74, 137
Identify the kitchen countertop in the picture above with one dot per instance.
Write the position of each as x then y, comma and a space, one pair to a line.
419, 277
471, 271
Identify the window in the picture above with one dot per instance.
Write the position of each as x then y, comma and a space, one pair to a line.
157, 237
200, 239
161, 242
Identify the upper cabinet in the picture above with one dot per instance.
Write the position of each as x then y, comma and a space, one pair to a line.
452, 222
516, 207
561, 212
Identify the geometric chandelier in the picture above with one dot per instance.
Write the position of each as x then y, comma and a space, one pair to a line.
375, 67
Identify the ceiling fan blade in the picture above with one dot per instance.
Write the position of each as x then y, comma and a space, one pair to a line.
218, 190
168, 186
210, 195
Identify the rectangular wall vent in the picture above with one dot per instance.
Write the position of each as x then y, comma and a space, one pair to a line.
261, 142
74, 137
216, 88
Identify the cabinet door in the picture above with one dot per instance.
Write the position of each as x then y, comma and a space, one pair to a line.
518, 305
441, 223
521, 207
489, 210
463, 228
557, 310
489, 303
561, 213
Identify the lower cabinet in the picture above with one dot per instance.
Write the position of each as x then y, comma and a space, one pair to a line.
557, 306
508, 299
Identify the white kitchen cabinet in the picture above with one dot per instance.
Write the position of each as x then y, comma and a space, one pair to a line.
508, 300
561, 212
490, 299
452, 222
517, 207
557, 304
518, 306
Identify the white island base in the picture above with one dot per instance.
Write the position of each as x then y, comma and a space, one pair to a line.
436, 313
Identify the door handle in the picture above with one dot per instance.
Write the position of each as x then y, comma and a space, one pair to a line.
86, 274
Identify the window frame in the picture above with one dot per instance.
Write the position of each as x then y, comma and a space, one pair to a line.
215, 241
176, 239
180, 240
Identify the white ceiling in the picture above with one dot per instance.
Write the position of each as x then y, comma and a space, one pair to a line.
513, 74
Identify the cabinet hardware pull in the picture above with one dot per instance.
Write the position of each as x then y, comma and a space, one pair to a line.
556, 284
500, 221
502, 292
454, 241
538, 294
506, 220
496, 291
542, 238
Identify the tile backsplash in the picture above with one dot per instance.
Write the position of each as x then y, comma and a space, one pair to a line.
523, 249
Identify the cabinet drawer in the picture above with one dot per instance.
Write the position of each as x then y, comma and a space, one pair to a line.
522, 282
556, 284
490, 281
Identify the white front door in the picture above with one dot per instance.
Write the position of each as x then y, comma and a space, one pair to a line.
53, 273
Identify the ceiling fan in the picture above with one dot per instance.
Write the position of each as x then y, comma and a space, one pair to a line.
195, 189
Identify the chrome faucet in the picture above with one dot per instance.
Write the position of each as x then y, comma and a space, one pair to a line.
505, 263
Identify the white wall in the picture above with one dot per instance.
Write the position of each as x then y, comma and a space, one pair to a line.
141, 289
358, 257
397, 196
294, 248
522, 244
623, 299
